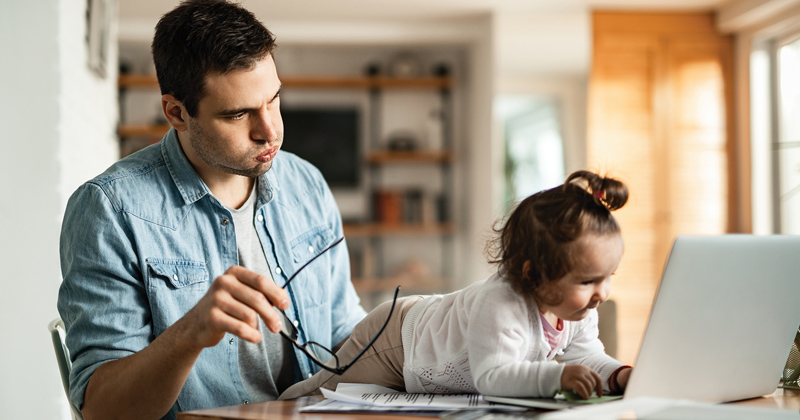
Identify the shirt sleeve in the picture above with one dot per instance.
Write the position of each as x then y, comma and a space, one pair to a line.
101, 300
346, 309
498, 339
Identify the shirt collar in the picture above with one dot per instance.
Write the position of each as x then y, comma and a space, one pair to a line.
268, 185
189, 183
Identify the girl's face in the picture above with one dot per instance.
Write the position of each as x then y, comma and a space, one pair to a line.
589, 282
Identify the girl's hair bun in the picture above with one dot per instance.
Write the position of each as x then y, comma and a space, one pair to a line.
608, 192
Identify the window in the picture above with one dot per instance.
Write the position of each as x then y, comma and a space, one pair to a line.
775, 134
788, 137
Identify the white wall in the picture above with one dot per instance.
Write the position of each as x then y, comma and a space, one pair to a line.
57, 126
548, 55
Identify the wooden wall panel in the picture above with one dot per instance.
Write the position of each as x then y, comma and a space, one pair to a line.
657, 119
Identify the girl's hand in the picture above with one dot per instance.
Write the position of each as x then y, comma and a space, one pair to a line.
583, 380
622, 378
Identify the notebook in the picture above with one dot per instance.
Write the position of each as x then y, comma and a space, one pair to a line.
722, 322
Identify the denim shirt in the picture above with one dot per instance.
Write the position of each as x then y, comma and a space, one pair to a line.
142, 242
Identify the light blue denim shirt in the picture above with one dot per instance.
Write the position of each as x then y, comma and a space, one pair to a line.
142, 242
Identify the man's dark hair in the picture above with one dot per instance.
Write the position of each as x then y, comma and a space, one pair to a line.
202, 37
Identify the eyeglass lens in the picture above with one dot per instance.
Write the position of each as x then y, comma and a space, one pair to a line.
318, 353
322, 355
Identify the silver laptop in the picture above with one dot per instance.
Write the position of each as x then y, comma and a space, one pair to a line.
722, 322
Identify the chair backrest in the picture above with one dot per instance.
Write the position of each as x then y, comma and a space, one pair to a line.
58, 334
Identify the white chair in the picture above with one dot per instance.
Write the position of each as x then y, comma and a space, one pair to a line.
59, 334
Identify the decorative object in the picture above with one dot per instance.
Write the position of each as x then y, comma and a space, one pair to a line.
405, 64
372, 69
402, 141
441, 70
98, 28
434, 129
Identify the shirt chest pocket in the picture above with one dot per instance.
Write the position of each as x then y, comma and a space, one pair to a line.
173, 287
315, 279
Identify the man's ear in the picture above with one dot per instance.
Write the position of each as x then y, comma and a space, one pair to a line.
526, 268
174, 111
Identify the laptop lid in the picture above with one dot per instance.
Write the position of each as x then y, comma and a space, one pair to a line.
723, 319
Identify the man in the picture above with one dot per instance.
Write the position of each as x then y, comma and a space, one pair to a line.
173, 259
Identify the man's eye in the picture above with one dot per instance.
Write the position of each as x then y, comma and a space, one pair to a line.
238, 116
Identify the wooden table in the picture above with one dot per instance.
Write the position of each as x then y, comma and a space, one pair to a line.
288, 410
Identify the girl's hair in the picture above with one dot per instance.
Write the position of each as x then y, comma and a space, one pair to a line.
544, 228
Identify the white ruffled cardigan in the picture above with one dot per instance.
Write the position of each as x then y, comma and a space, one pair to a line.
487, 339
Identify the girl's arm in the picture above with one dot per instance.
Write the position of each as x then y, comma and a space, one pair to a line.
503, 356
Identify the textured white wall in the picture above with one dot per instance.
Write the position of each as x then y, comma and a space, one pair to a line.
87, 103
57, 124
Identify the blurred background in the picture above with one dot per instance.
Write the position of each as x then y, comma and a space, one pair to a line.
429, 120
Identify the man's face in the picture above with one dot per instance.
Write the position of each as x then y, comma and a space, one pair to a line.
238, 129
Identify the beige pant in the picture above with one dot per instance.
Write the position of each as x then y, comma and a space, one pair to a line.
381, 365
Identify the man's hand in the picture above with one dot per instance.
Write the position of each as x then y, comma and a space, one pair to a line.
582, 380
147, 383
233, 304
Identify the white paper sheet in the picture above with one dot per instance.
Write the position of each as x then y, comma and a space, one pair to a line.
366, 397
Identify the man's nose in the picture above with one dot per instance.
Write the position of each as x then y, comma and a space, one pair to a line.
264, 126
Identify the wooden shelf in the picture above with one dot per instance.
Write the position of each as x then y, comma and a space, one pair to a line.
376, 82
399, 229
137, 80
420, 156
143, 130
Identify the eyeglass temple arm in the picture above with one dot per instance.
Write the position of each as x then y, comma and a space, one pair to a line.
375, 337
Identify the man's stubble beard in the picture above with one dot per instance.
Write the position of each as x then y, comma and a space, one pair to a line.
203, 148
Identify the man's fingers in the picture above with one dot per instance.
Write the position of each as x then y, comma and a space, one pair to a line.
276, 295
238, 328
243, 292
235, 308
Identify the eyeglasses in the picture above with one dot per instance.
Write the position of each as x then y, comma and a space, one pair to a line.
316, 352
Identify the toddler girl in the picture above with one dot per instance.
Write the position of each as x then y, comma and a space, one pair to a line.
528, 330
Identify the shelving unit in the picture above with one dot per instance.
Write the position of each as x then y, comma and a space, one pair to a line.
414, 276
372, 235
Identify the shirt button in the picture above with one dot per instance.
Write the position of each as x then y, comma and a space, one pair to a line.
175, 277
311, 249
246, 402
231, 342
296, 322
310, 375
278, 270
225, 222
260, 218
